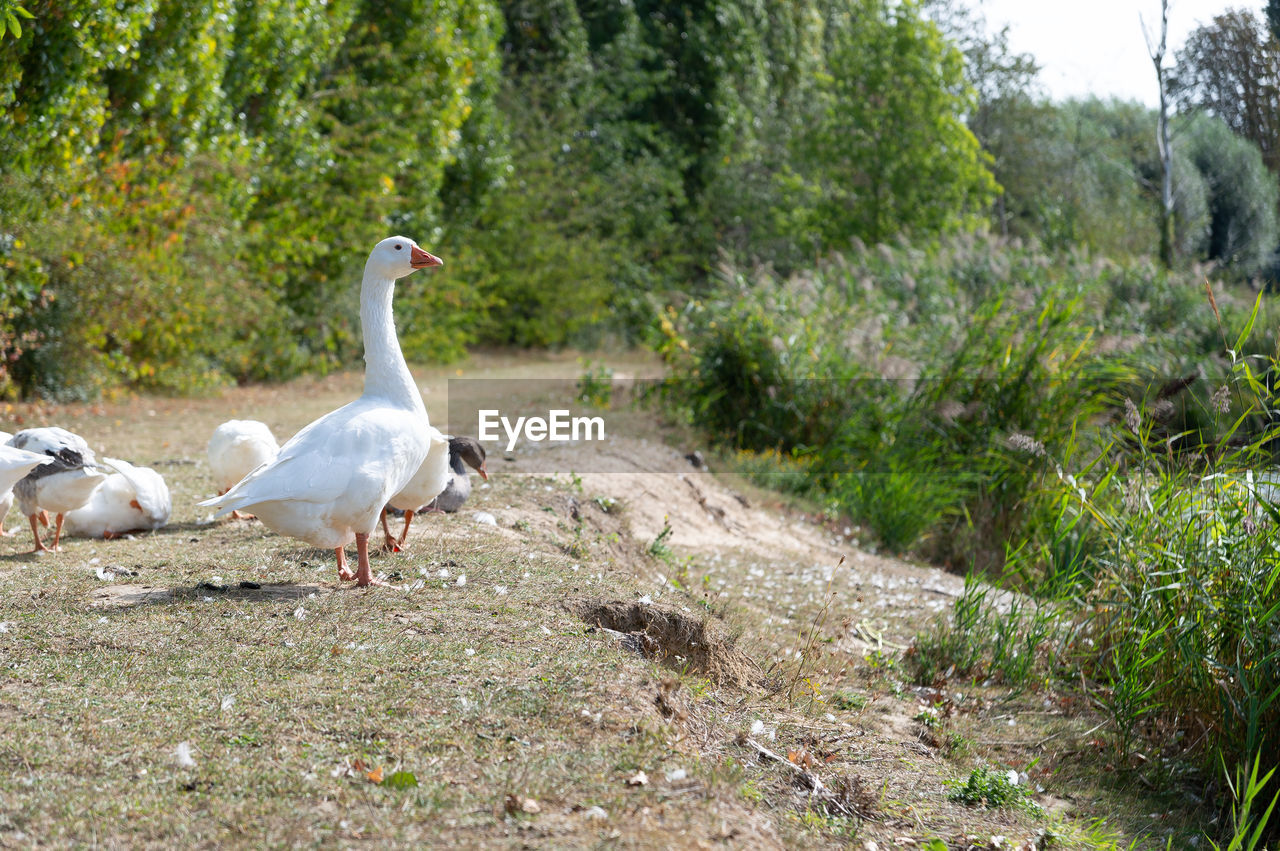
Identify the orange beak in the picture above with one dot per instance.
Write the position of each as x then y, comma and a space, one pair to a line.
484, 474
420, 259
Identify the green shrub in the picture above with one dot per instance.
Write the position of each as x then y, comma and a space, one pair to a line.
781, 472
992, 789
1184, 611
926, 387
133, 288
1241, 196
1171, 610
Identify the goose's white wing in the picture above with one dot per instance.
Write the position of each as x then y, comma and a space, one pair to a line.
51, 440
320, 463
431, 478
149, 489
15, 464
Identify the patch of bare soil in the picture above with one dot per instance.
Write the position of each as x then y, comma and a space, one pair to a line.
811, 646
681, 642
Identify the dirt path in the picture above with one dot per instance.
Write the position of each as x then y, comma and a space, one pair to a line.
751, 549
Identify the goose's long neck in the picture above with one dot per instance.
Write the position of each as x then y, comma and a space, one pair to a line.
385, 374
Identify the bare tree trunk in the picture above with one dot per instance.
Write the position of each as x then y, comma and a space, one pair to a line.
1162, 139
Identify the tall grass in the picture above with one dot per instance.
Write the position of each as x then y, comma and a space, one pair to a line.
1182, 618
1166, 604
1248, 832
912, 381
993, 637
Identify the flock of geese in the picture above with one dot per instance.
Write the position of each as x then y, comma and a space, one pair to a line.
329, 485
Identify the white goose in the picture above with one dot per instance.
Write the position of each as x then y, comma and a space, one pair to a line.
14, 465
131, 499
237, 448
64, 482
430, 480
329, 483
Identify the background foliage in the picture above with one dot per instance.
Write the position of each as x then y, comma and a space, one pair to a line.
883, 267
579, 163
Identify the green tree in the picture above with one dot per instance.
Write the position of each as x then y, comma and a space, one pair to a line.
1231, 68
53, 101
1079, 173
577, 77
200, 145
746, 203
887, 149
388, 113
1010, 117
166, 99
1242, 197
538, 250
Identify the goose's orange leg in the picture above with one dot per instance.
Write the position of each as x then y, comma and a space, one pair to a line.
408, 518
57, 533
390, 544
35, 533
344, 572
364, 573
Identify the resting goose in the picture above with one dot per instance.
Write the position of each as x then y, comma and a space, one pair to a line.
426, 484
457, 492
237, 448
329, 483
130, 499
14, 465
64, 482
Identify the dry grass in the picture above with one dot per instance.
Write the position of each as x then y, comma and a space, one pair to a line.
522, 702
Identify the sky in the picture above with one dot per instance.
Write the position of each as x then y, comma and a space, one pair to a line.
1095, 47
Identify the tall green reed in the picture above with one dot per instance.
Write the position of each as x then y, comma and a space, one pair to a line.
1178, 626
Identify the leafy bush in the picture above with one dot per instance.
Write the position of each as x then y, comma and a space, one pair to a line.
170, 167
925, 387
885, 150
773, 469
1241, 197
1164, 603
992, 789
125, 286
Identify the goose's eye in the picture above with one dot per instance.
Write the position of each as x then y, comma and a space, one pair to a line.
398, 246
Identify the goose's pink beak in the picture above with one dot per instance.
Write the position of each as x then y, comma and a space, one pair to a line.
484, 474
420, 259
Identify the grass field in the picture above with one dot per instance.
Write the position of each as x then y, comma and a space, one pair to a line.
571, 677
